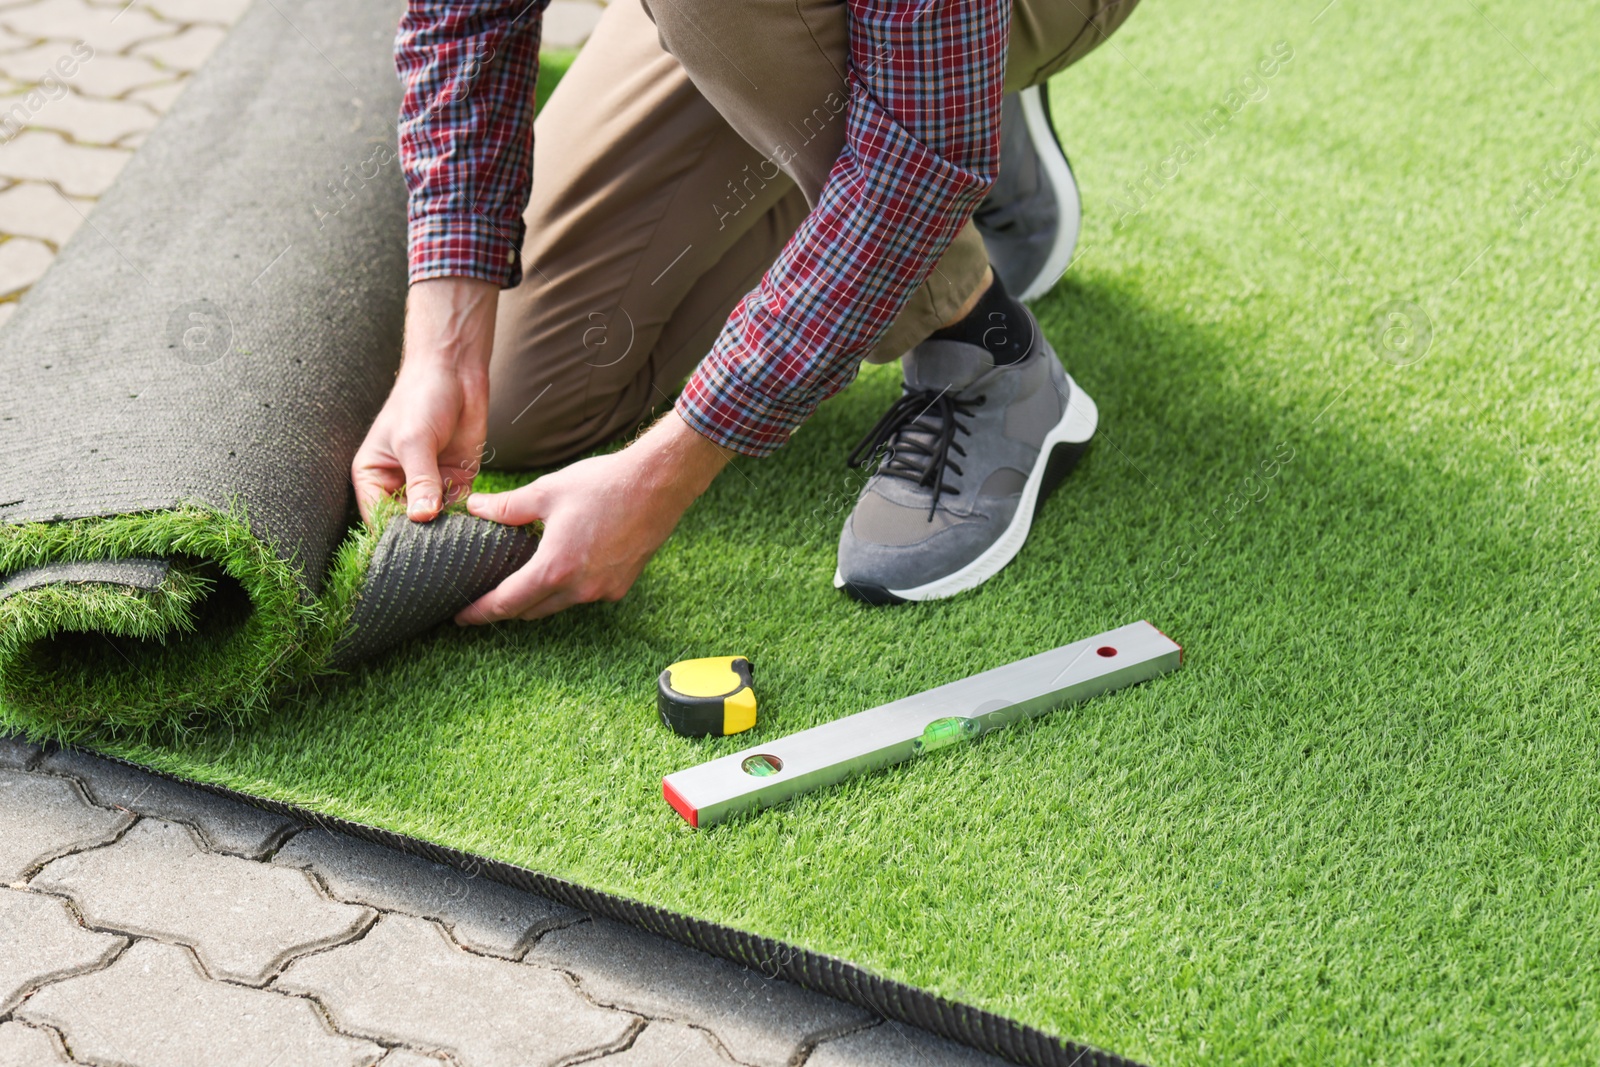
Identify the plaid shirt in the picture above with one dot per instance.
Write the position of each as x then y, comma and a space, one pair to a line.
921, 149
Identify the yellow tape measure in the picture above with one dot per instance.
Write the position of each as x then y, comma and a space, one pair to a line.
707, 697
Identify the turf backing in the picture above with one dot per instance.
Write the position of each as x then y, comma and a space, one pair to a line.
1360, 824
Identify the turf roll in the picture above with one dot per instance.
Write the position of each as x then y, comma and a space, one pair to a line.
186, 388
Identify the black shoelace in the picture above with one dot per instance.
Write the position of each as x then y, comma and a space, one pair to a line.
916, 436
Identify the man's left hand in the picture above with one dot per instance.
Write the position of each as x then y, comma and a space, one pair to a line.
604, 517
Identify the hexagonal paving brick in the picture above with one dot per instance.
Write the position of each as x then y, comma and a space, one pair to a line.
33, 209
153, 1008
243, 919
185, 51
669, 1044
86, 121
22, 262
407, 981
481, 914
40, 941
761, 1021
224, 825
43, 817
893, 1045
80, 170
25, 1046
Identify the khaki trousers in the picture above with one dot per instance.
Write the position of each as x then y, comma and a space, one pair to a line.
656, 203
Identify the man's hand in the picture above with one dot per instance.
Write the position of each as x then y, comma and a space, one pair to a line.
429, 435
604, 517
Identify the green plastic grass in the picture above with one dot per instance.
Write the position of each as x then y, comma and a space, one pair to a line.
1360, 825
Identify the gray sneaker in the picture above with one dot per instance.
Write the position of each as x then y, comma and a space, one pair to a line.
968, 454
1029, 220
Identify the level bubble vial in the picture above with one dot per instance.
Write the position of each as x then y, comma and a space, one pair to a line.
762, 765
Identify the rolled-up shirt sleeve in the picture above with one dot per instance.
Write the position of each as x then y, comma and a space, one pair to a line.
466, 134
922, 147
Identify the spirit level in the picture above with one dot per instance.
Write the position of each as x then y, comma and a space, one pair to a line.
824, 755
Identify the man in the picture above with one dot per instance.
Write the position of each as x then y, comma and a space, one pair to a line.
758, 195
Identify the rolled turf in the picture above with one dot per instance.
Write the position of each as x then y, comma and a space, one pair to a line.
186, 388
1360, 824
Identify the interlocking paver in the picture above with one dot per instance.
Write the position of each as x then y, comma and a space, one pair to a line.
762, 1021
85, 120
154, 1008
22, 261
41, 941
33, 209
184, 51
404, 1057
408, 981
69, 21
26, 1046
80, 170
893, 1045
481, 914
221, 12
668, 1044
16, 753
101, 74
225, 825
43, 817
244, 920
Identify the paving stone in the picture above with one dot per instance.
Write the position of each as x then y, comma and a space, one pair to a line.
33, 209
15, 753
85, 120
154, 1008
222, 12
243, 919
41, 941
481, 914
103, 74
668, 1044
22, 261
568, 23
893, 1045
158, 97
404, 1057
43, 817
407, 981
224, 825
80, 170
184, 51
25, 1046
65, 22
762, 1021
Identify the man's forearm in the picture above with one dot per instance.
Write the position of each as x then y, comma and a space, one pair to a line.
450, 326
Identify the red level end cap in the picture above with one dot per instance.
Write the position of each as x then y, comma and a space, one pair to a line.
680, 805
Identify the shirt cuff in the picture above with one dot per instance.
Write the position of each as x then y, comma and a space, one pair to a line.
465, 246
721, 407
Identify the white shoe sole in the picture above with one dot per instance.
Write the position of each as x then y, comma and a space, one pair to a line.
1076, 427
1036, 114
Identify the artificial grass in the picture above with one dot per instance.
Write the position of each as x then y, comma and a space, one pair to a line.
229, 628
1360, 824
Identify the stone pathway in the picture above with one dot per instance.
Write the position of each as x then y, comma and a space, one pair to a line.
144, 923
148, 924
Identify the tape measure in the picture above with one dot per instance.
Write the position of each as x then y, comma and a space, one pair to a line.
707, 697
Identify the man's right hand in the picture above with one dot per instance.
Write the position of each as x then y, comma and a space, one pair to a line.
429, 436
